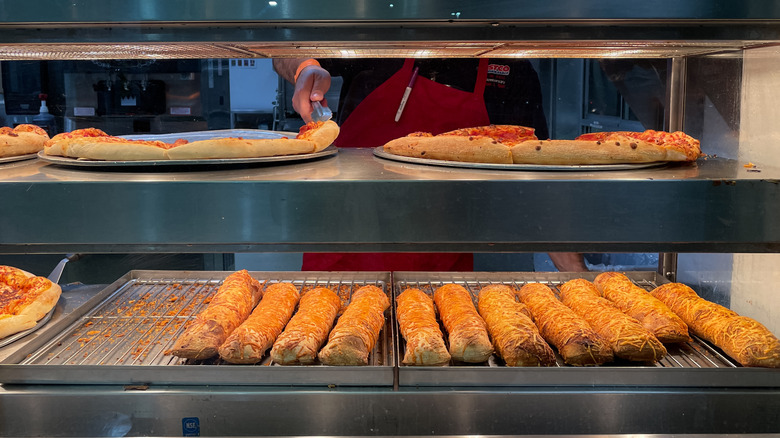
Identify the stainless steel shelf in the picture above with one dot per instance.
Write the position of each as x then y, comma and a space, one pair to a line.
90, 29
135, 11
357, 202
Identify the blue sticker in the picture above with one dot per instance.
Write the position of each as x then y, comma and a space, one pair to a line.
190, 426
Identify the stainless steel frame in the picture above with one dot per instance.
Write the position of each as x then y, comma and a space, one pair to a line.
122, 334
694, 364
287, 208
563, 401
89, 29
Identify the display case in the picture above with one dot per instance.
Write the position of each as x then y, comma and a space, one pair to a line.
713, 221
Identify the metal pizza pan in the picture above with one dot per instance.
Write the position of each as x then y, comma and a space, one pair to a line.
77, 162
190, 137
379, 152
18, 158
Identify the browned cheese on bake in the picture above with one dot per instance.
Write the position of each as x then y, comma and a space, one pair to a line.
515, 336
574, 338
357, 329
417, 321
466, 330
637, 303
229, 307
249, 342
308, 329
628, 339
744, 339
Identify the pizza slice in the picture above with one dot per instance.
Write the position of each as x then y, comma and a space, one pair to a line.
94, 144
21, 140
679, 145
312, 137
481, 144
24, 299
620, 147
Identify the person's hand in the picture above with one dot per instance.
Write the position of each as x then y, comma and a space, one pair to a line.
312, 84
568, 261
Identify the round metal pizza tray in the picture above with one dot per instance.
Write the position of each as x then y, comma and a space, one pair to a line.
17, 158
19, 335
379, 152
78, 162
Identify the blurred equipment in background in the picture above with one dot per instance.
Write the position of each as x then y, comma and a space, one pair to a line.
44, 119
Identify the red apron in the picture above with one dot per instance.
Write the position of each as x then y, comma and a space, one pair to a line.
432, 107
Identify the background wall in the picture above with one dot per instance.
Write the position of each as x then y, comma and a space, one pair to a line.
756, 276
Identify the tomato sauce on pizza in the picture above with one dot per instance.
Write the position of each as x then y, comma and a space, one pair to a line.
6, 130
306, 130
506, 134
21, 140
17, 290
105, 138
677, 140
94, 144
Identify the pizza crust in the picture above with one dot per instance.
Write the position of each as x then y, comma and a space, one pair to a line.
577, 152
21, 143
323, 136
312, 141
31, 313
104, 147
240, 148
93, 148
452, 148
509, 144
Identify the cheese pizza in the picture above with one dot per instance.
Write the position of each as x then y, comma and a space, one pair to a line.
24, 299
94, 144
21, 140
610, 148
512, 144
483, 144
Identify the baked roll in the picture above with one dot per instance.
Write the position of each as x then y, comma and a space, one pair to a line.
417, 322
249, 342
229, 307
628, 339
357, 329
637, 303
466, 331
574, 338
744, 339
515, 336
308, 329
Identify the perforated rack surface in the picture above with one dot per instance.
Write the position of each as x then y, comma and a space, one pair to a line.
126, 336
695, 363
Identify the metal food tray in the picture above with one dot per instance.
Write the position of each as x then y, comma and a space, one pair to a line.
693, 364
15, 158
120, 336
380, 152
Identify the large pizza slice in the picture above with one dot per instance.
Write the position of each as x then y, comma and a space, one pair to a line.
482, 144
621, 147
512, 144
21, 140
94, 144
24, 299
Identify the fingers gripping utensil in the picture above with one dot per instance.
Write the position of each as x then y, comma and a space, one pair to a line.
320, 113
54, 277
